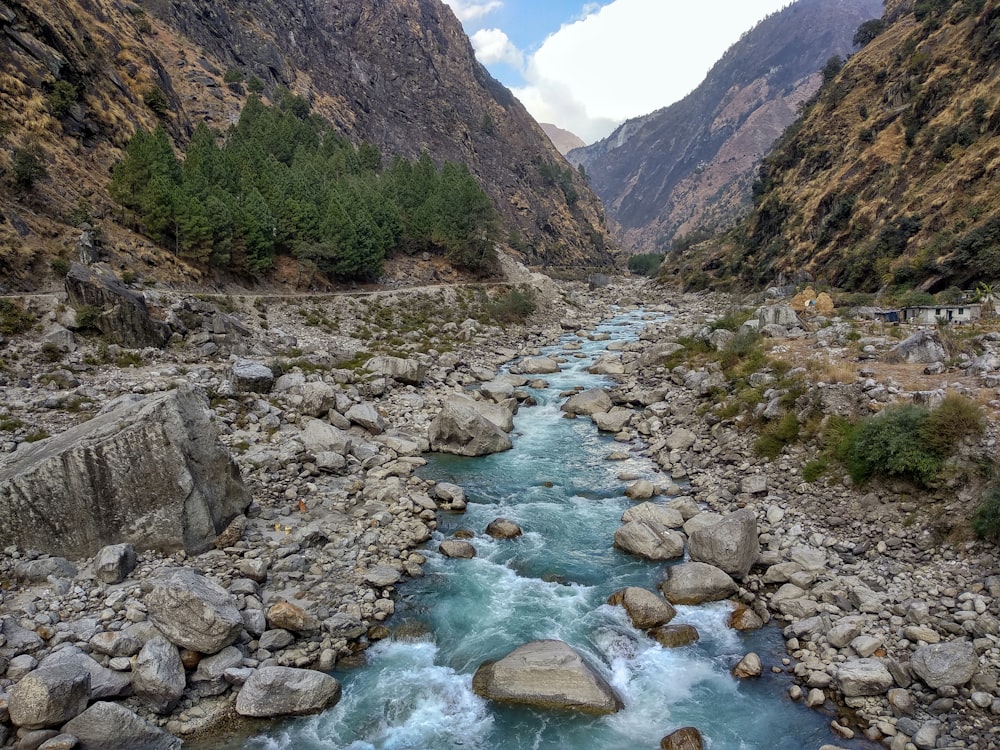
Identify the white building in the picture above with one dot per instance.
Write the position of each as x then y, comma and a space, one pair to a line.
929, 315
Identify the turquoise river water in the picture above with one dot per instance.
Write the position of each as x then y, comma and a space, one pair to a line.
553, 582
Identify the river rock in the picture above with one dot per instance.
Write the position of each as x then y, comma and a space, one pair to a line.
104, 682
749, 666
681, 439
193, 612
940, 664
404, 370
158, 675
503, 528
286, 691
612, 421
288, 616
686, 738
382, 576
675, 636
39, 571
320, 437
696, 583
49, 696
641, 489
114, 562
460, 428
457, 548
163, 478
548, 675
367, 416
645, 609
863, 677
112, 726
744, 618
654, 514
248, 376
538, 366
210, 676
730, 545
588, 402
649, 541
122, 314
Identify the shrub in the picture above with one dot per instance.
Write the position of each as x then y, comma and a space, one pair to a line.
513, 307
29, 167
645, 264
986, 521
14, 318
61, 98
889, 445
777, 435
232, 75
952, 421
155, 99
87, 315
813, 470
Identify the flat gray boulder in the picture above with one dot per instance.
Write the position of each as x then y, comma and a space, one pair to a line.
781, 315
940, 664
194, 612
114, 562
461, 428
696, 583
322, 437
613, 421
104, 682
863, 677
548, 675
248, 376
587, 403
49, 696
649, 541
112, 726
645, 609
730, 545
367, 416
538, 366
404, 370
152, 473
923, 347
286, 691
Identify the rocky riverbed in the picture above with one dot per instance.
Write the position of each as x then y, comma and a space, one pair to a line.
326, 406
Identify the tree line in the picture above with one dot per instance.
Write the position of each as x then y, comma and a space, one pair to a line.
282, 181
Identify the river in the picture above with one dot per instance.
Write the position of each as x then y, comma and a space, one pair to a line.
415, 690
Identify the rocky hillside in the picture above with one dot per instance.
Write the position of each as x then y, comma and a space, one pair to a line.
79, 77
890, 178
691, 165
562, 139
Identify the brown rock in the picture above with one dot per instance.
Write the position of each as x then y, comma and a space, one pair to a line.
503, 528
645, 608
675, 636
288, 616
744, 618
687, 738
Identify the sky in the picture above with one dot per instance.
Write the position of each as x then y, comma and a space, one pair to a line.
589, 66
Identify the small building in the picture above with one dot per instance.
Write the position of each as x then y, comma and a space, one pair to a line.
964, 312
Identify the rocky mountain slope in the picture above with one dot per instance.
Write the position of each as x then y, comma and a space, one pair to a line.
890, 178
79, 77
562, 139
691, 165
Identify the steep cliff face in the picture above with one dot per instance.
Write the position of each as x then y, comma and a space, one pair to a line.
890, 178
690, 165
79, 76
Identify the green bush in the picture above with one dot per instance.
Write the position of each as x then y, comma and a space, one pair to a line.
986, 521
29, 167
952, 421
777, 435
61, 98
513, 307
87, 316
813, 470
14, 318
889, 445
645, 264
155, 99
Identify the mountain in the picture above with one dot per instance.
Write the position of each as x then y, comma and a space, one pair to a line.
563, 140
690, 165
80, 76
890, 179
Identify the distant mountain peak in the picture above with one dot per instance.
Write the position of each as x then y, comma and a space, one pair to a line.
562, 139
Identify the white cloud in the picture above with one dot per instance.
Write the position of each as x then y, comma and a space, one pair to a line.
494, 46
630, 58
471, 10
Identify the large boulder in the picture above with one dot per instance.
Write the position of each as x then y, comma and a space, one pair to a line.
863, 677
645, 609
696, 583
104, 682
158, 675
321, 437
115, 562
940, 664
404, 370
539, 366
112, 726
461, 428
248, 376
649, 541
685, 738
588, 402
49, 696
923, 347
194, 612
366, 415
781, 315
548, 675
122, 314
286, 691
612, 421
152, 473
731, 544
